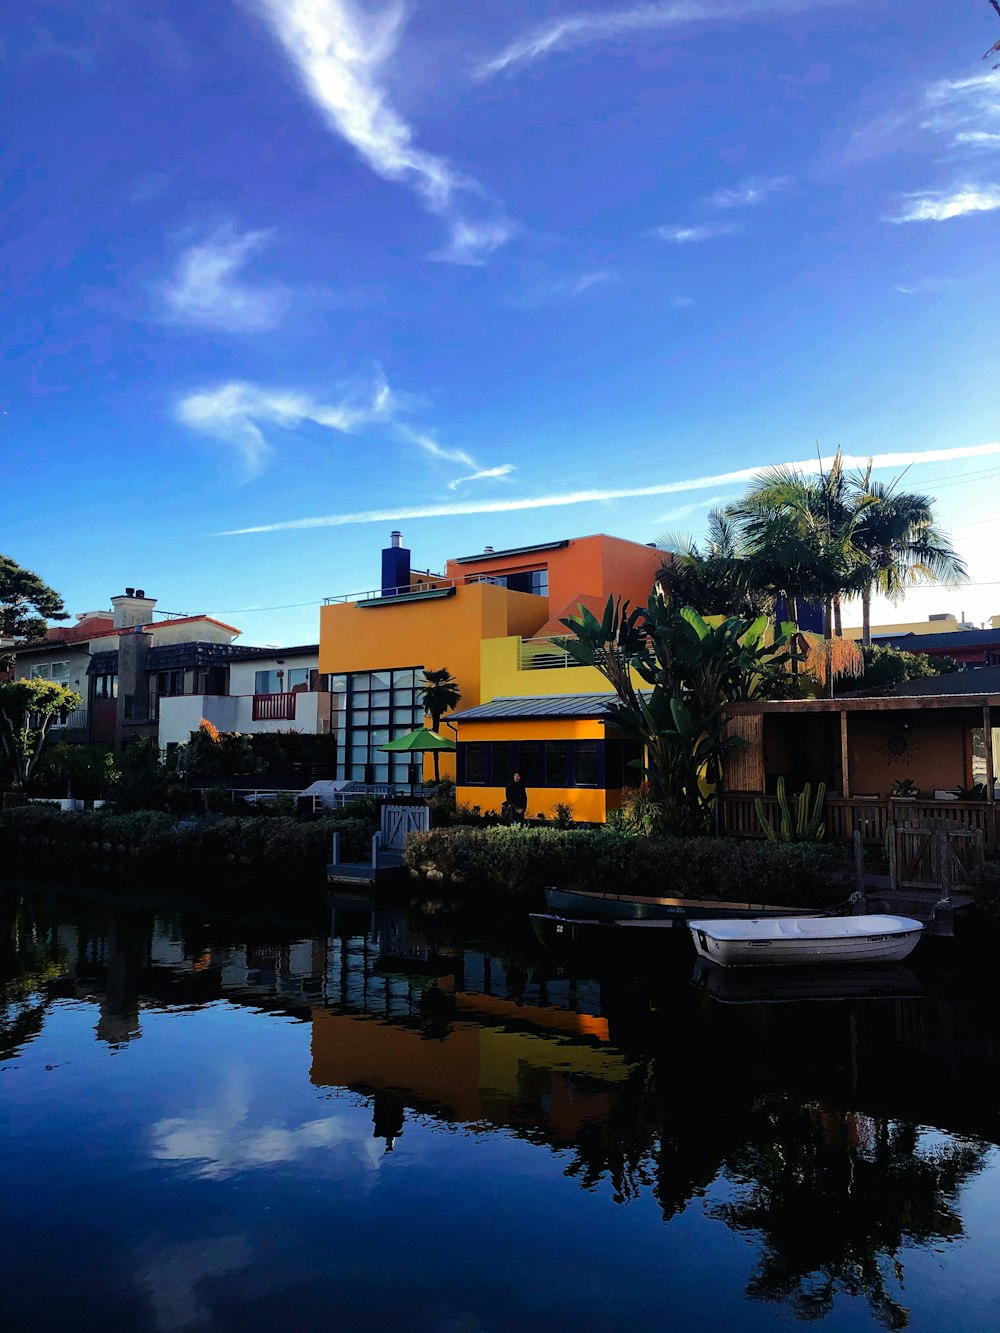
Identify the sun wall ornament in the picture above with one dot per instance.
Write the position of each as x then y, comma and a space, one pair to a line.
898, 747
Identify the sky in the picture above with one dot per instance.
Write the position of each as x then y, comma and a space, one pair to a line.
282, 275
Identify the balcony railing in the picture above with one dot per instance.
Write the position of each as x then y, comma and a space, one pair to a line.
543, 655
77, 718
140, 708
421, 585
274, 708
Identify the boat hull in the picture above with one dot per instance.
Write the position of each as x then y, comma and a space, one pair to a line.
799, 941
637, 907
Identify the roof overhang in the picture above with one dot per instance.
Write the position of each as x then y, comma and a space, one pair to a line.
509, 552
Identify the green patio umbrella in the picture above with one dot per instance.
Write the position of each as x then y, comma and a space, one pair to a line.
414, 742
421, 739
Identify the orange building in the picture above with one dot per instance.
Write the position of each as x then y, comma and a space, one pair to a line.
489, 619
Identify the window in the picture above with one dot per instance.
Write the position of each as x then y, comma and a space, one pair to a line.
529, 763
106, 687
475, 764
502, 765
169, 684
585, 764
556, 763
297, 679
57, 671
376, 701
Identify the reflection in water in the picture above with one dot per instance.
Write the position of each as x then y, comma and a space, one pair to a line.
799, 1126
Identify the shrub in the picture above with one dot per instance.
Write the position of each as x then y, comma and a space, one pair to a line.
156, 841
986, 890
524, 858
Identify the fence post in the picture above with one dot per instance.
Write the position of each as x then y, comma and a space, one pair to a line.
893, 876
335, 850
859, 861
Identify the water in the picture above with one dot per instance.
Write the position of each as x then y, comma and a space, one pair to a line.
217, 1116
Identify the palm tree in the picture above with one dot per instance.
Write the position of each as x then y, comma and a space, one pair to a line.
901, 544
808, 528
439, 694
718, 579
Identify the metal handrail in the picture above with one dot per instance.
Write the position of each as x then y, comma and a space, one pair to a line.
438, 584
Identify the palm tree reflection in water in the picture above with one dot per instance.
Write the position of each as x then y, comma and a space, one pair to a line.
834, 1199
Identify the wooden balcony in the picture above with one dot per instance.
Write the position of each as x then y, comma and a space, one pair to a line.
871, 816
274, 707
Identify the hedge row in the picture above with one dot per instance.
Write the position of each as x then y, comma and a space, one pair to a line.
157, 841
525, 859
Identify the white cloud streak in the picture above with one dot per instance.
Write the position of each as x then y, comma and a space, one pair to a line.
484, 474
339, 52
235, 413
941, 205
231, 413
748, 192
696, 234
600, 27
205, 289
907, 458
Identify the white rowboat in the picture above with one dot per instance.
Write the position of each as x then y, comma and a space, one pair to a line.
777, 941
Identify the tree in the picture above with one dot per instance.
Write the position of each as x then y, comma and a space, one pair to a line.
439, 694
801, 534
26, 603
27, 710
886, 666
718, 579
692, 670
900, 544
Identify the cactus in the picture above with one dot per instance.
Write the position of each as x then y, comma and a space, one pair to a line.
807, 825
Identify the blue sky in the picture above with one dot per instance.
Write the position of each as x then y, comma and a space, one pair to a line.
348, 267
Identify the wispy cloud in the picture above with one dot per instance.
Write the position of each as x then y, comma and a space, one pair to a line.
542, 289
430, 446
600, 27
695, 234
902, 458
234, 413
753, 190
484, 474
940, 205
964, 112
206, 289
237, 412
966, 108
685, 511
339, 52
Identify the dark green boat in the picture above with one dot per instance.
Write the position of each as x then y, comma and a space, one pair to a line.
590, 905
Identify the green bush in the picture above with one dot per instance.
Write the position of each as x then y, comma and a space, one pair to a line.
156, 841
522, 858
986, 890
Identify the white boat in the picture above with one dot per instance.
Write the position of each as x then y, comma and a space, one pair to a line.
779, 941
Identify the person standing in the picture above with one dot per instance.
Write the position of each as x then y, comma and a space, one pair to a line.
516, 800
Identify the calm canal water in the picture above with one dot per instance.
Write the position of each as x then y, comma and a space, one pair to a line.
228, 1117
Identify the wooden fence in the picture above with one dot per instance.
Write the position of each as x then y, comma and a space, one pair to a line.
871, 817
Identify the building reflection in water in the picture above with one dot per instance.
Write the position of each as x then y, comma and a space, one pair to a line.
799, 1125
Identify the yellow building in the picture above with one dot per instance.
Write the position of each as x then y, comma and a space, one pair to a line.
489, 619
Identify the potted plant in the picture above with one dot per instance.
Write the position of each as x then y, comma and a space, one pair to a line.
904, 789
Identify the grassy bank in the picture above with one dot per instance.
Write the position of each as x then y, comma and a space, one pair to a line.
526, 859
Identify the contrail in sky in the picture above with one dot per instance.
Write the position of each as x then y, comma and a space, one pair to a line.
453, 509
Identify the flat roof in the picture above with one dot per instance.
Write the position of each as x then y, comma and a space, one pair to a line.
511, 550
